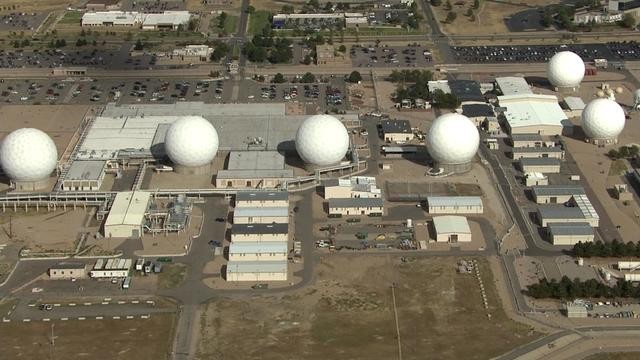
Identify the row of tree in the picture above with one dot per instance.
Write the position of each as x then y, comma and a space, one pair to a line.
614, 248
411, 76
566, 289
624, 152
264, 47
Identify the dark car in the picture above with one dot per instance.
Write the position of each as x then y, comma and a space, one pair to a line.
220, 219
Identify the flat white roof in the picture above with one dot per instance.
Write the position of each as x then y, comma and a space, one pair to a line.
259, 212
454, 201
449, 224
439, 84
574, 103
128, 208
511, 85
243, 267
115, 17
173, 18
260, 247
255, 160
532, 110
86, 170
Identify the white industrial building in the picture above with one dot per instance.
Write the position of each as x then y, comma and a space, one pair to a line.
454, 205
84, 175
254, 169
258, 251
542, 165
512, 85
259, 232
527, 140
168, 20
353, 187
533, 114
396, 131
570, 234
555, 194
535, 179
261, 215
127, 214
67, 271
548, 214
193, 53
356, 206
111, 268
262, 199
256, 271
576, 310
554, 152
451, 229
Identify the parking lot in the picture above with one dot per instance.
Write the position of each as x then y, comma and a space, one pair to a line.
21, 21
50, 58
628, 50
390, 56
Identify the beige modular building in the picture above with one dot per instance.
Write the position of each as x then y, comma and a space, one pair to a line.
555, 194
554, 152
84, 175
127, 215
535, 179
527, 140
356, 206
451, 229
254, 169
541, 165
570, 234
258, 251
354, 187
67, 271
455, 205
397, 131
110, 268
261, 215
262, 199
256, 271
259, 232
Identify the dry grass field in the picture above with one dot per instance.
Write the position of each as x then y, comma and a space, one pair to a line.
89, 339
7, 6
349, 314
615, 356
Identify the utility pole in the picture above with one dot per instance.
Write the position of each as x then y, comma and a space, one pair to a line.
52, 344
395, 312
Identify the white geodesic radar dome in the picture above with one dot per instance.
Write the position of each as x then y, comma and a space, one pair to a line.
322, 140
603, 119
28, 155
452, 139
191, 141
565, 69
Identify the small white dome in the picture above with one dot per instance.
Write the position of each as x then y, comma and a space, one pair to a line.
565, 69
322, 140
191, 141
603, 119
28, 155
453, 139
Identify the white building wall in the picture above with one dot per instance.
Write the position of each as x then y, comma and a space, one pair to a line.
449, 237
254, 277
258, 256
355, 210
262, 203
570, 239
456, 209
258, 237
260, 220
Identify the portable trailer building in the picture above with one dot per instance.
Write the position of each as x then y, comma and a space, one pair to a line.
454, 205
555, 152
256, 271
67, 270
260, 199
570, 234
259, 232
261, 215
542, 165
258, 251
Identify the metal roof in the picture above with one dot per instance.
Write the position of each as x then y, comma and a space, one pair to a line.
559, 212
579, 228
260, 229
260, 212
510, 85
173, 18
536, 149
451, 224
454, 201
396, 126
258, 247
128, 208
356, 202
68, 265
255, 174
477, 110
584, 204
574, 103
532, 110
86, 170
239, 267
262, 196
555, 190
466, 90
539, 161
526, 137
255, 160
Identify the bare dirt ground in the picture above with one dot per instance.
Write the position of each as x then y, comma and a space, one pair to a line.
596, 165
127, 339
349, 314
172, 243
615, 356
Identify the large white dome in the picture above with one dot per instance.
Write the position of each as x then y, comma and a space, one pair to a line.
191, 141
28, 155
603, 119
452, 139
565, 69
322, 140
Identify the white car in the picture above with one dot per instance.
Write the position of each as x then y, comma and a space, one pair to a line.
24, 98
250, 97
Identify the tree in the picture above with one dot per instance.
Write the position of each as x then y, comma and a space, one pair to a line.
250, 9
476, 4
628, 21
220, 51
451, 17
139, 45
342, 48
279, 78
469, 12
354, 77
447, 5
222, 18
308, 78
613, 154
287, 9
193, 24
623, 152
436, 2
307, 59
634, 150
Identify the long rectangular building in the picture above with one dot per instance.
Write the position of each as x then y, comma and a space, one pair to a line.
555, 152
541, 165
258, 251
555, 194
263, 215
570, 234
454, 205
256, 271
259, 232
260, 199
356, 206
126, 216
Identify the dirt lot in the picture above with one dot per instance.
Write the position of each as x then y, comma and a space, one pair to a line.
615, 356
349, 314
128, 339
40, 5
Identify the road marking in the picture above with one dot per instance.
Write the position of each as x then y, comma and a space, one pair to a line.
81, 318
6, 320
72, 304
99, 317
105, 303
87, 304
121, 302
135, 301
64, 319
46, 319
129, 316
26, 320
116, 317
144, 316
56, 304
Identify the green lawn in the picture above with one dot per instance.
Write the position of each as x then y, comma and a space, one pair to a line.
230, 25
258, 20
71, 17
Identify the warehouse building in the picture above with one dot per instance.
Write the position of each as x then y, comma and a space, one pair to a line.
67, 271
555, 194
512, 85
570, 234
258, 251
548, 214
479, 114
254, 169
527, 140
84, 175
259, 232
356, 206
451, 229
396, 131
573, 106
111, 268
467, 91
354, 187
256, 271
127, 214
262, 199
168, 20
533, 114
535, 179
554, 152
112, 18
541, 165
454, 205
261, 215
